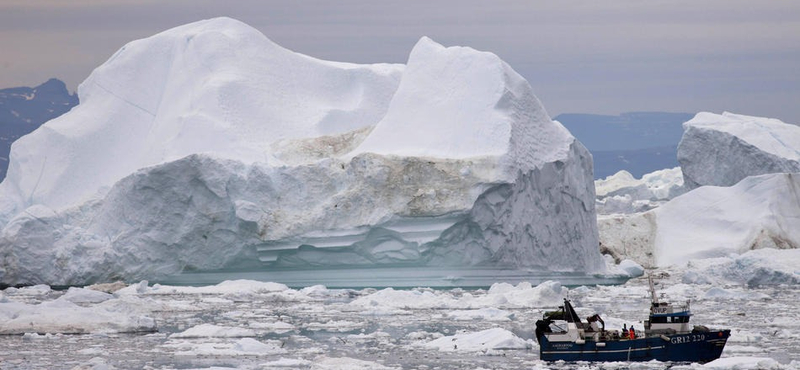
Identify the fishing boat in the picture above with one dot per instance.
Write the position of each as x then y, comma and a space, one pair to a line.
667, 336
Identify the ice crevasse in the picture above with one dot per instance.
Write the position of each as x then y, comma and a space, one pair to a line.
209, 147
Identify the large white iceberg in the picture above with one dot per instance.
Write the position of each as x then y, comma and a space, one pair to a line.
721, 150
710, 221
622, 193
208, 147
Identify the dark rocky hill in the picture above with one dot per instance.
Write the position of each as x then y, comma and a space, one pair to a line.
24, 109
638, 142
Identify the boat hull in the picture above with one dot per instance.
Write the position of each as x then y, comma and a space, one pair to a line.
695, 347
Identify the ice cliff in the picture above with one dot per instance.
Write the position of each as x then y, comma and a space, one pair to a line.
742, 179
710, 221
208, 147
722, 150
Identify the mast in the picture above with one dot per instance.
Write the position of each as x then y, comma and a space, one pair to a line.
571, 315
653, 296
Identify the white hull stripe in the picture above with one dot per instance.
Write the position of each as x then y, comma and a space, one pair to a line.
604, 350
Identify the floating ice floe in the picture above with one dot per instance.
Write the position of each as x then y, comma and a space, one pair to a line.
272, 327
96, 363
226, 287
625, 267
504, 295
489, 341
214, 331
744, 363
335, 326
753, 268
63, 316
346, 363
34, 290
288, 363
82, 295
483, 314
240, 347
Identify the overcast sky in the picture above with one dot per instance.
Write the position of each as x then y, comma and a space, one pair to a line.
580, 56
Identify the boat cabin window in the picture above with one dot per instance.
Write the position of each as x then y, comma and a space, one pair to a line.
668, 319
559, 326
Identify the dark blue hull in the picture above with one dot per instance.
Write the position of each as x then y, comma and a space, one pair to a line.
696, 347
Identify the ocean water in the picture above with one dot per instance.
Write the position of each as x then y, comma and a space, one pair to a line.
372, 329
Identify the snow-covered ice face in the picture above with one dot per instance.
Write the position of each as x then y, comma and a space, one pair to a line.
208, 147
246, 324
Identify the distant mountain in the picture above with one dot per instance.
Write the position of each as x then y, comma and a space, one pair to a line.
638, 161
638, 142
24, 109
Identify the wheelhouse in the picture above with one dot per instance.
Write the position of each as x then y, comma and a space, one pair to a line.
666, 318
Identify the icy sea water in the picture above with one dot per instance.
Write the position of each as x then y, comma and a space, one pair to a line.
324, 329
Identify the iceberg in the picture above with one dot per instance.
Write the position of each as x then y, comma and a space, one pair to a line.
753, 268
740, 185
721, 150
622, 193
709, 222
208, 149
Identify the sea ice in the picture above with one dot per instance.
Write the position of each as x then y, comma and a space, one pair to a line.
82, 295
725, 295
488, 341
287, 363
213, 331
424, 336
502, 295
344, 363
487, 314
753, 268
743, 363
237, 287
63, 316
239, 347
